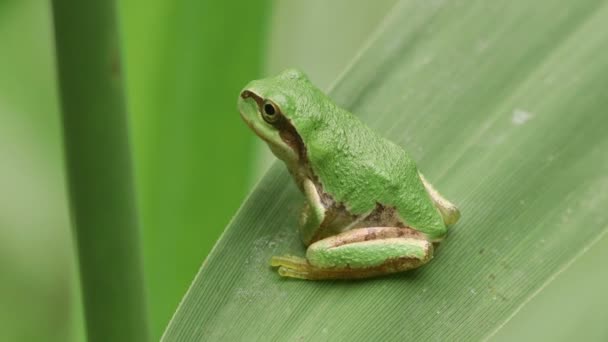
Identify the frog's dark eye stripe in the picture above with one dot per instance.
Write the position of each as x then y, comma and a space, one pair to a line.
270, 112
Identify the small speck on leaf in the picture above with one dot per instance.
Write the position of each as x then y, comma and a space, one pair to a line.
521, 116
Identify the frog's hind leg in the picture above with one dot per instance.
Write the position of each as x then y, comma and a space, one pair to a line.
359, 253
447, 209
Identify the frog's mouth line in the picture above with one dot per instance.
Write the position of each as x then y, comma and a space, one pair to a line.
256, 131
250, 124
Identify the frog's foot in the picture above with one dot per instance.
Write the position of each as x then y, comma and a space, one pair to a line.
295, 267
359, 253
449, 212
289, 261
292, 266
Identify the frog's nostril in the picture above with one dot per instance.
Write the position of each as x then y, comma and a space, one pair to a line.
246, 94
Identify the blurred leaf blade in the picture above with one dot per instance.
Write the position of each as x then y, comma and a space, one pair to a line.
504, 114
98, 170
185, 61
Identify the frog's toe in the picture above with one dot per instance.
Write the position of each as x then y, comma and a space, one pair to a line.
291, 266
294, 273
289, 261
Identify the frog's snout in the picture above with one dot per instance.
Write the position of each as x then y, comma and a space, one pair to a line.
248, 104
248, 94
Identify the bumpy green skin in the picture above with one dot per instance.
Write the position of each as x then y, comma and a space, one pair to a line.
355, 165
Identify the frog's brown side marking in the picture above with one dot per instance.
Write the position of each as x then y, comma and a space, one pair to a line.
337, 217
382, 215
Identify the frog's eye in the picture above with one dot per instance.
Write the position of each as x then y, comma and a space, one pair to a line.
270, 112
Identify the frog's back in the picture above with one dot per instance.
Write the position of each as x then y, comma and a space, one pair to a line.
361, 169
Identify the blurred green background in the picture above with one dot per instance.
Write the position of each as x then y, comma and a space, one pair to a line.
195, 161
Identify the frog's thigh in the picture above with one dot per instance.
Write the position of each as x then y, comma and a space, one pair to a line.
360, 253
378, 250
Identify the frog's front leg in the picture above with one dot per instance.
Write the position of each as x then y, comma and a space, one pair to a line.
359, 253
313, 213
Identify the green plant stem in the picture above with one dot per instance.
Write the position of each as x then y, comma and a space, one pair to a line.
99, 169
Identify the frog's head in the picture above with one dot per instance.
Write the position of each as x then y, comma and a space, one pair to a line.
269, 107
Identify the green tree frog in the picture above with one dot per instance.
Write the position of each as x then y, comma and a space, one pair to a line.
368, 210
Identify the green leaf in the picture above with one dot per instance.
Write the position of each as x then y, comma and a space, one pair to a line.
186, 60
502, 104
